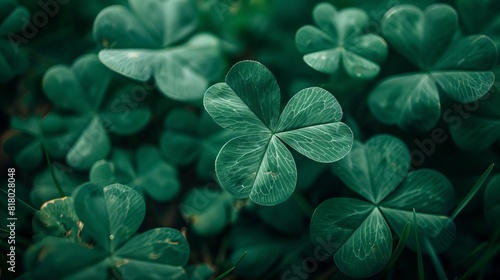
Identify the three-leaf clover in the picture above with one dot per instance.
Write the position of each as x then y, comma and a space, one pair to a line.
458, 66
339, 45
189, 138
87, 114
145, 171
110, 216
376, 171
257, 164
150, 41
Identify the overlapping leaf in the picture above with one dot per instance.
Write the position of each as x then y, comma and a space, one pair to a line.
149, 40
257, 164
87, 114
481, 128
110, 215
146, 172
484, 20
458, 66
377, 171
338, 45
57, 218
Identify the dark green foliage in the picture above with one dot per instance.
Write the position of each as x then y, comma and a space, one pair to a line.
196, 139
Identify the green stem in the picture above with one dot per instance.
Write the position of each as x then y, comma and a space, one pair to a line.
32, 210
482, 262
472, 192
420, 261
59, 188
435, 260
397, 252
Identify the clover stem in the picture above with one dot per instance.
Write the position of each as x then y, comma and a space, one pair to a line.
435, 260
59, 188
32, 210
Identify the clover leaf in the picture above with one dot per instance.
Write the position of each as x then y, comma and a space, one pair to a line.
110, 215
492, 201
87, 113
208, 211
57, 218
339, 45
377, 170
480, 129
458, 66
13, 61
146, 172
188, 138
484, 20
150, 41
257, 164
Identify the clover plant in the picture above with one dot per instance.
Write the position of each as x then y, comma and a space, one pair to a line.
460, 67
110, 216
346, 140
87, 115
145, 41
257, 164
339, 43
377, 170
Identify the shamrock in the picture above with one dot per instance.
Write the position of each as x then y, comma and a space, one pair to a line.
339, 40
460, 67
110, 216
257, 164
376, 171
150, 41
145, 171
87, 114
